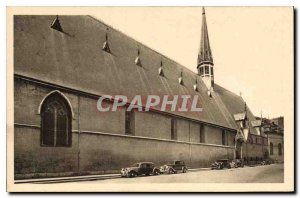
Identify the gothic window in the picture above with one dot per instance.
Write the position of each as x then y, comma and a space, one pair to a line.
173, 129
279, 149
271, 148
206, 69
56, 122
211, 71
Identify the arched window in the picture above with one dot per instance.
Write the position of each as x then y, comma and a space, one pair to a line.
56, 121
271, 148
279, 149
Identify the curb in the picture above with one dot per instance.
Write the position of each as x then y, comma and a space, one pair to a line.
68, 179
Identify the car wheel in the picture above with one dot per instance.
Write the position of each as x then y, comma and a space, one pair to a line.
156, 172
183, 170
132, 174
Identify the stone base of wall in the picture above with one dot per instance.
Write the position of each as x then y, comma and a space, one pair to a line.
63, 174
100, 153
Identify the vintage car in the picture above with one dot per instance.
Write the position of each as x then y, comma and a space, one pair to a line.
141, 168
266, 162
174, 167
220, 164
165, 169
237, 163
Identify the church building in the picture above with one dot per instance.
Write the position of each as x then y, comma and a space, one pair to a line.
63, 64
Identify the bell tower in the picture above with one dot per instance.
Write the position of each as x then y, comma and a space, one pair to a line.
205, 60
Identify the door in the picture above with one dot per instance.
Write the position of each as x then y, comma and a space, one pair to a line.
238, 150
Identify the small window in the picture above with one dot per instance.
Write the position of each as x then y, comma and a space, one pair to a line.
206, 69
56, 122
211, 71
202, 134
129, 123
279, 149
224, 137
271, 148
173, 129
201, 71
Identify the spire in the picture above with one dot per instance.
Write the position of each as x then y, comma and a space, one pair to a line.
205, 55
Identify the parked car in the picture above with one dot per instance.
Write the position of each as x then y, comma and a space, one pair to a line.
141, 168
237, 163
174, 167
266, 162
167, 170
220, 164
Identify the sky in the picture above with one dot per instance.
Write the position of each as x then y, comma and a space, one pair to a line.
252, 46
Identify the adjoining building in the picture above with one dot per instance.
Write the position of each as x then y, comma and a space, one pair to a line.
273, 129
63, 64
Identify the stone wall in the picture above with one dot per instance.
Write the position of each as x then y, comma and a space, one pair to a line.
99, 143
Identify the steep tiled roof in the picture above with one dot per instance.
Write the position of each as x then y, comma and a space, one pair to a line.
235, 105
74, 58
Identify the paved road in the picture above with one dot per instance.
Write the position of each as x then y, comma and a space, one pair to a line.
259, 174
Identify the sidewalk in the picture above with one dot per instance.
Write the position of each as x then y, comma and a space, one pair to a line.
68, 179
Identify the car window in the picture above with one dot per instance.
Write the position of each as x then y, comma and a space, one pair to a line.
143, 165
177, 162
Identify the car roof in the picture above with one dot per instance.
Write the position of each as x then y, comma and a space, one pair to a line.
145, 163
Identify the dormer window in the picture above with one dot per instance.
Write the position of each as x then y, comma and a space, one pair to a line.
160, 70
105, 46
180, 80
196, 86
137, 59
56, 25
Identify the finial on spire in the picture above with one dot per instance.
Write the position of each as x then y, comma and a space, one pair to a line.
203, 10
